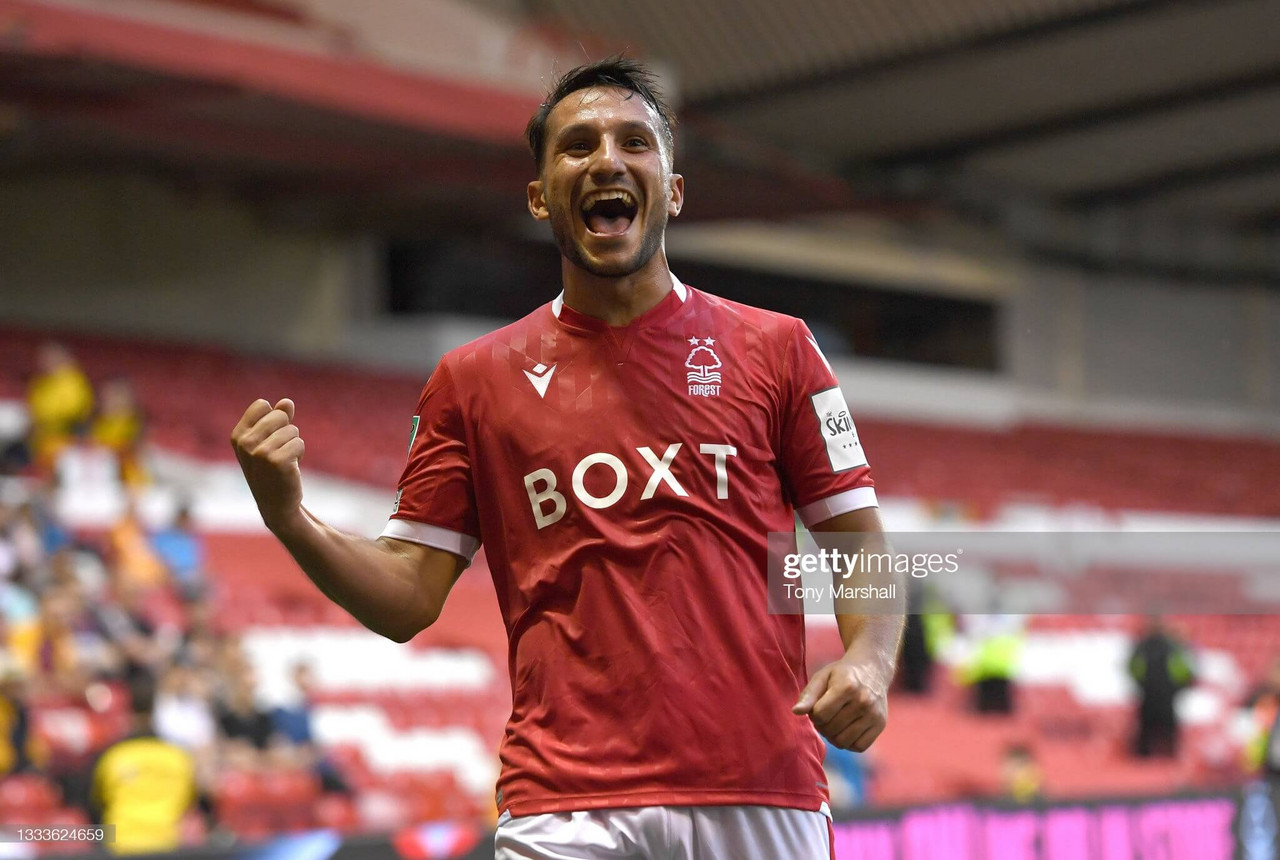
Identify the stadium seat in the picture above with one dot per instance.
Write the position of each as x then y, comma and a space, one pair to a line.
336, 812
28, 794
980, 468
236, 792
284, 789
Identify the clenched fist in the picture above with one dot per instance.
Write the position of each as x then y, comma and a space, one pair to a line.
268, 446
847, 702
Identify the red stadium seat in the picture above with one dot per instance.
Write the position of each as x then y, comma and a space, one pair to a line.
236, 791
28, 793
194, 830
288, 788
336, 812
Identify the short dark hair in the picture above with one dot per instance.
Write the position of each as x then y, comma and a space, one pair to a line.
617, 71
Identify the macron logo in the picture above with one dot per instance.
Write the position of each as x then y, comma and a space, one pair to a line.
540, 376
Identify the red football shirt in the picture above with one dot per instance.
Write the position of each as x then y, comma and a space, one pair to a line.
623, 482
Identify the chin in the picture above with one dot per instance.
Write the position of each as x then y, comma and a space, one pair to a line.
616, 264
611, 268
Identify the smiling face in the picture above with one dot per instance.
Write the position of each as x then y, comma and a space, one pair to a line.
606, 183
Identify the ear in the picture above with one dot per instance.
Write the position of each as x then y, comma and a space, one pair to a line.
537, 203
675, 194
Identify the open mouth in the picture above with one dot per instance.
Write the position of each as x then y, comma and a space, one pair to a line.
609, 213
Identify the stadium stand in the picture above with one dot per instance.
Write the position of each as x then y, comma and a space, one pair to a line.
192, 395
411, 733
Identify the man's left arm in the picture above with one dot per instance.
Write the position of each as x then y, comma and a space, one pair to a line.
848, 700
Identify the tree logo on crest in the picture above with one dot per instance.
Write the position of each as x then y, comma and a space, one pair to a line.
704, 368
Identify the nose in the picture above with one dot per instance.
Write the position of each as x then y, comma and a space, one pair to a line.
608, 158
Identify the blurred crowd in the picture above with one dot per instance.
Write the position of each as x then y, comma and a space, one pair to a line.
1162, 668
113, 655
116, 627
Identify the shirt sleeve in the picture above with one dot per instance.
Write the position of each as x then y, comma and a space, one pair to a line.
824, 467
435, 503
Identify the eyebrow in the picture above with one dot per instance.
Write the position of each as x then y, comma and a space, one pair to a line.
630, 125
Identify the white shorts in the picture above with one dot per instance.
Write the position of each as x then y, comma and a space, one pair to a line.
668, 833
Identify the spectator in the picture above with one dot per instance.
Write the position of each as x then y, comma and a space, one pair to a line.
87, 474
997, 643
17, 742
1262, 710
183, 713
49, 656
246, 727
1162, 669
20, 627
78, 567
54, 536
198, 650
144, 649
18, 605
20, 532
928, 631
15, 429
119, 427
133, 559
1022, 776
182, 552
229, 659
293, 723
10, 561
59, 401
143, 786
916, 666
97, 655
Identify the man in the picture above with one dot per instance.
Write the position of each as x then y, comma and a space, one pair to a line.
623, 453
16, 739
59, 401
1162, 669
293, 723
181, 549
143, 786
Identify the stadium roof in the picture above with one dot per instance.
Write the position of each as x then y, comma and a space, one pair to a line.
1090, 102
1057, 118
277, 111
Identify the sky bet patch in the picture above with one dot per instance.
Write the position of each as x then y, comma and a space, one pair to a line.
836, 425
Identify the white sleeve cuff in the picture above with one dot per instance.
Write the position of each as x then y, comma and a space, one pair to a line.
841, 503
432, 536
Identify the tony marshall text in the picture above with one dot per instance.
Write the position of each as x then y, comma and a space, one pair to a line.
843, 591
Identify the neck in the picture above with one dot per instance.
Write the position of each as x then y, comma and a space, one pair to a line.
617, 301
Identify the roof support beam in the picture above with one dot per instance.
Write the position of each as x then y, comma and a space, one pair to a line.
1124, 111
1179, 179
845, 74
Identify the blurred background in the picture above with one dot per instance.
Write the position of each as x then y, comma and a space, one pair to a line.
1039, 240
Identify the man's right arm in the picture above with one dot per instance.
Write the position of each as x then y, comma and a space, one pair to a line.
393, 587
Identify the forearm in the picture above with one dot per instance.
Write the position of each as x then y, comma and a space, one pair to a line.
847, 699
873, 638
369, 579
870, 638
